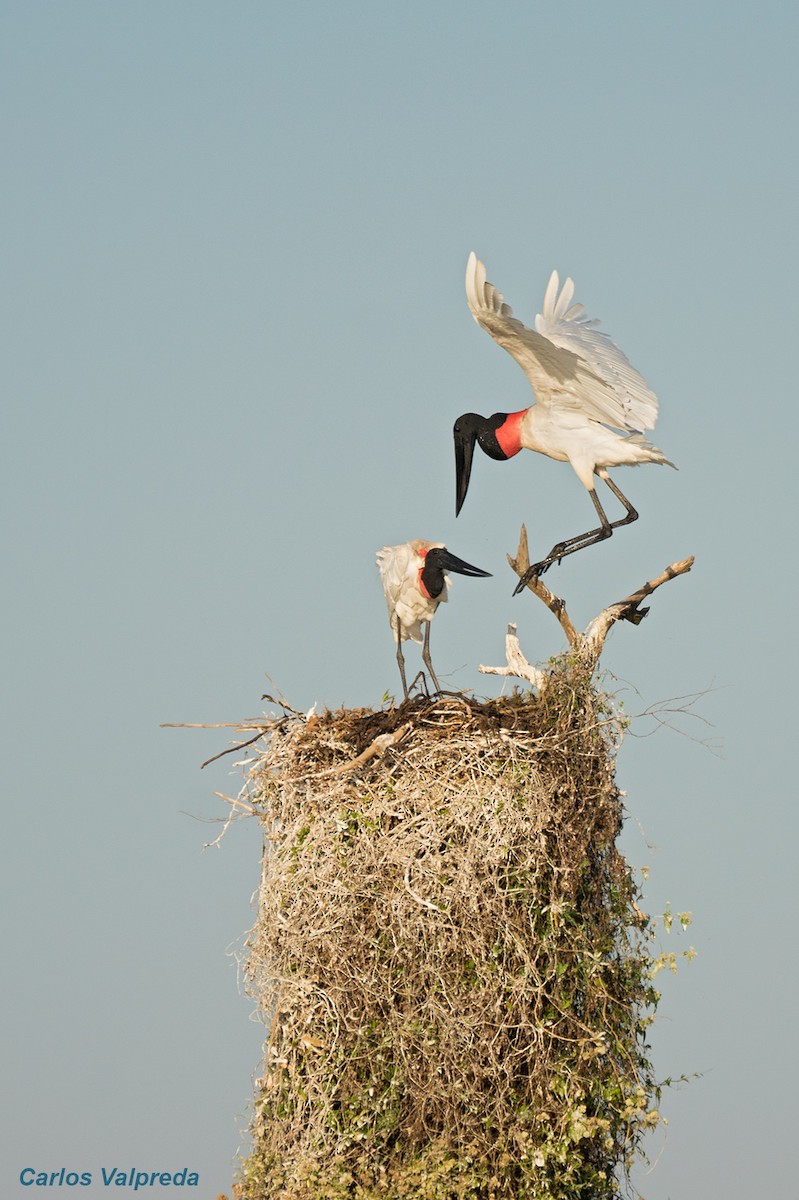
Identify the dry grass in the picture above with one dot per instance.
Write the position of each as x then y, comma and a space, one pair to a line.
449, 956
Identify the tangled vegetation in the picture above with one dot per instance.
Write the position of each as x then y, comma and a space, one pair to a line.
449, 956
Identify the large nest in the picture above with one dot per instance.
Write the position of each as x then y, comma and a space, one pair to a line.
448, 955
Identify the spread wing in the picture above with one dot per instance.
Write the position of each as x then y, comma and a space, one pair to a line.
566, 359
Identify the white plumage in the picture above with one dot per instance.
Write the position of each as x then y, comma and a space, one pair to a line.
591, 404
569, 363
407, 605
414, 584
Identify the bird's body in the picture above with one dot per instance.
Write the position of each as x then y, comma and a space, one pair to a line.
414, 584
591, 404
408, 601
589, 446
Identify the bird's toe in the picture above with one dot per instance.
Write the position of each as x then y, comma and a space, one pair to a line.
531, 573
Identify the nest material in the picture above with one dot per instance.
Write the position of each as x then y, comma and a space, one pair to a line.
448, 955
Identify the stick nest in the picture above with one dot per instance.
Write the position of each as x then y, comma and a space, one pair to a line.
448, 955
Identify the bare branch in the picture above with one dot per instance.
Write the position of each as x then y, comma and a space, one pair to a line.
587, 646
280, 699
241, 726
517, 663
378, 747
248, 808
628, 609
520, 564
233, 749
261, 728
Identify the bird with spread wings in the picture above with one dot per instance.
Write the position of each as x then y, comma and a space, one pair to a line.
591, 405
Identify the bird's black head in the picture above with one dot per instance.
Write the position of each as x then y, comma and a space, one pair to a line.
436, 562
468, 429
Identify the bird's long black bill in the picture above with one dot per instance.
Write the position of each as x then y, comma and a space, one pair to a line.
451, 562
464, 452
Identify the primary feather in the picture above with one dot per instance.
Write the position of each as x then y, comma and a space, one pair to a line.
568, 362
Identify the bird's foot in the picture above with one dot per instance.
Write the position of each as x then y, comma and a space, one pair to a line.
532, 572
419, 682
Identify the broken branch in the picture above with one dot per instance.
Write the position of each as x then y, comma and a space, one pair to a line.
520, 564
587, 645
378, 747
517, 663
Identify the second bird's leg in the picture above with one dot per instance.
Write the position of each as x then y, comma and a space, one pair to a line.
400, 659
582, 540
426, 656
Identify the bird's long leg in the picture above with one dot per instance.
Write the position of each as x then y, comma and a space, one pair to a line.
570, 546
400, 658
632, 515
426, 656
582, 540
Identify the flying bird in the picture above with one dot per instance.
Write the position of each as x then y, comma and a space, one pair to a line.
414, 584
591, 404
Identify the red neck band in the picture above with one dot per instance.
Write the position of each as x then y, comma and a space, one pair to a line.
509, 434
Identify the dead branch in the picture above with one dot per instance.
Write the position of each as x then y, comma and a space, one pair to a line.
253, 812
248, 808
628, 609
283, 704
517, 663
239, 746
259, 728
241, 726
378, 747
520, 564
587, 646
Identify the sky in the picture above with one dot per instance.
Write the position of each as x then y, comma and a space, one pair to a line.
234, 239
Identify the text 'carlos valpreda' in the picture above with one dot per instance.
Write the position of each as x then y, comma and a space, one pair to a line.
132, 1178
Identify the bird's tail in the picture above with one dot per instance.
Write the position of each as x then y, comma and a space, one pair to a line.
649, 453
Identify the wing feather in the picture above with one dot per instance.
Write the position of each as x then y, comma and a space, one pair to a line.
393, 563
566, 359
397, 565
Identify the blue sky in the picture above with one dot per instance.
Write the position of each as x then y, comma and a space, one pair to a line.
234, 240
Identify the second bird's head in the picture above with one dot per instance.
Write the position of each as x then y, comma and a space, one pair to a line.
497, 436
437, 560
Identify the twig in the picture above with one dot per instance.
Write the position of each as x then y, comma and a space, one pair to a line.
415, 895
282, 700
263, 727
233, 749
248, 808
243, 726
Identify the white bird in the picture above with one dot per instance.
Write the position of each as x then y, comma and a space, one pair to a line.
414, 584
591, 409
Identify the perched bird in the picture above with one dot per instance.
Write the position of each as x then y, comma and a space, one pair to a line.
591, 409
415, 584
